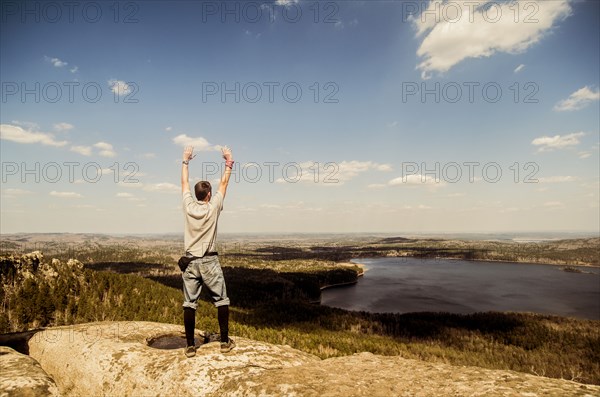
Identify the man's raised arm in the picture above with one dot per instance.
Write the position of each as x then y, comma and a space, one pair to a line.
185, 173
227, 173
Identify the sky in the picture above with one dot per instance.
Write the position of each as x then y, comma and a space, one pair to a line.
343, 116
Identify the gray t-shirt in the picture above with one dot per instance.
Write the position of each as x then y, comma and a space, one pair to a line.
200, 231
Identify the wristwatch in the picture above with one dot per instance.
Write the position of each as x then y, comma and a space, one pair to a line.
186, 162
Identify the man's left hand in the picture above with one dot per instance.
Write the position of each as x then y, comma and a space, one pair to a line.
188, 153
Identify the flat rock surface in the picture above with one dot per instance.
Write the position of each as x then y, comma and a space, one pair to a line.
22, 376
114, 359
366, 374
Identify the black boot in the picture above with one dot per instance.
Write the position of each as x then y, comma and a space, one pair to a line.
226, 342
223, 316
189, 322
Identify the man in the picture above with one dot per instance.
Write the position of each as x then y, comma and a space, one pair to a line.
201, 217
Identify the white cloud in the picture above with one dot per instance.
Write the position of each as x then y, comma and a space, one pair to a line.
578, 100
519, 68
168, 129
131, 178
106, 149
17, 134
27, 125
285, 2
74, 69
57, 63
392, 124
451, 38
129, 197
65, 194
199, 143
383, 167
584, 154
416, 180
558, 179
119, 87
13, 192
130, 184
241, 209
162, 187
270, 206
302, 206
549, 143
331, 173
341, 24
553, 204
61, 127
347, 170
83, 150
509, 210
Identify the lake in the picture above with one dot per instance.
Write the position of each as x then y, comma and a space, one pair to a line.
403, 285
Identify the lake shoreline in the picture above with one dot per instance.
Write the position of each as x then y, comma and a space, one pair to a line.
476, 260
415, 287
347, 264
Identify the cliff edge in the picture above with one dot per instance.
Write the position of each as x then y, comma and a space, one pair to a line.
115, 358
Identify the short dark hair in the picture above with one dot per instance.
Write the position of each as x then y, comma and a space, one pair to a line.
202, 189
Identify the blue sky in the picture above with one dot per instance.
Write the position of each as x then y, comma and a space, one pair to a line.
360, 66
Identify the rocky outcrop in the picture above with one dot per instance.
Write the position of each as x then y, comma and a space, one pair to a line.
22, 376
113, 358
366, 374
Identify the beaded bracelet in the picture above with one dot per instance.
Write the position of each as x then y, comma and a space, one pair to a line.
229, 163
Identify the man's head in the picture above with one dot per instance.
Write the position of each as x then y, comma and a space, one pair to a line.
203, 191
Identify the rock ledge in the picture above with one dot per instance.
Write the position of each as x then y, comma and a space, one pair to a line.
113, 358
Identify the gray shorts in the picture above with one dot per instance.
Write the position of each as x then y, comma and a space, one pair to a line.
204, 272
